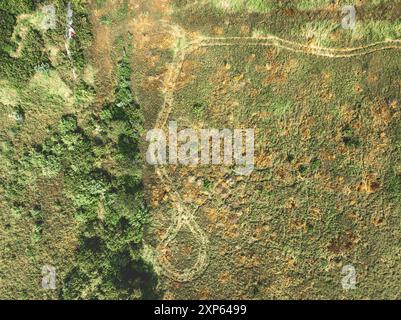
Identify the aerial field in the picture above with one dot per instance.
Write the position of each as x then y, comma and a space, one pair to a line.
82, 83
324, 191
322, 194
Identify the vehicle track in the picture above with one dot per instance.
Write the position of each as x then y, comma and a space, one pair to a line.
185, 216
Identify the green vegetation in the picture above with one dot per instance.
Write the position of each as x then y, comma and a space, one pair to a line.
108, 261
117, 16
316, 22
22, 6
19, 70
71, 179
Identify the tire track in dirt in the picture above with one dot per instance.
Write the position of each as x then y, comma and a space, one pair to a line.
300, 48
184, 215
